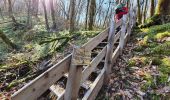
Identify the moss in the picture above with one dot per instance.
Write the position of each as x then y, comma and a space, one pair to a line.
156, 61
149, 82
165, 66
131, 63
139, 49
162, 79
161, 35
163, 49
142, 61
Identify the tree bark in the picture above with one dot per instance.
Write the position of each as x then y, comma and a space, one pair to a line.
87, 12
7, 41
72, 16
152, 8
163, 7
45, 15
144, 12
11, 12
53, 14
92, 11
139, 12
35, 6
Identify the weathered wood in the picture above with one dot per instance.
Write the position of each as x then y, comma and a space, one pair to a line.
39, 85
117, 36
115, 54
93, 65
123, 30
73, 81
96, 40
108, 58
76, 85
58, 91
95, 87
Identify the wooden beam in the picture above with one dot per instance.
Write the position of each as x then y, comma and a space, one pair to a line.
93, 65
39, 85
96, 40
115, 54
123, 30
58, 91
117, 36
95, 87
108, 57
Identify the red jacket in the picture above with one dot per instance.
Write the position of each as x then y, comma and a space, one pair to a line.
121, 13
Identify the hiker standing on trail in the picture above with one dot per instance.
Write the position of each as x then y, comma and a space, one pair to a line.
120, 10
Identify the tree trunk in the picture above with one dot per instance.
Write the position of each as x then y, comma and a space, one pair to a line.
35, 6
29, 15
92, 11
152, 8
45, 15
144, 13
139, 14
87, 12
7, 41
53, 14
72, 16
163, 7
11, 12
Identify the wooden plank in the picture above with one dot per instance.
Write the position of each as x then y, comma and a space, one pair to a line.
123, 30
58, 91
95, 87
96, 40
61, 97
126, 38
93, 65
108, 58
115, 54
39, 85
117, 36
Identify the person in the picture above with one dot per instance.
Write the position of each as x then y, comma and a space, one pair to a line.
120, 11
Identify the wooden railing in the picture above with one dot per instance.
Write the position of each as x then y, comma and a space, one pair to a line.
105, 47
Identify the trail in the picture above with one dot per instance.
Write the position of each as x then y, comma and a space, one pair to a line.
134, 80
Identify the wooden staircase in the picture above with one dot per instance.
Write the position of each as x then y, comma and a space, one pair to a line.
69, 82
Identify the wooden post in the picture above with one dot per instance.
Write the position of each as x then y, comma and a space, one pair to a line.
108, 58
73, 82
129, 28
80, 57
123, 30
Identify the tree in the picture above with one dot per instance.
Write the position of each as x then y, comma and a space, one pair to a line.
152, 8
7, 40
53, 14
87, 12
11, 12
145, 11
163, 7
139, 19
45, 15
72, 15
92, 11
35, 5
29, 14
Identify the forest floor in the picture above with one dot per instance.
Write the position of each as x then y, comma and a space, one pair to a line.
38, 51
143, 71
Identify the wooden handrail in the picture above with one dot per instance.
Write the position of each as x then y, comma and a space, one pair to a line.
43, 82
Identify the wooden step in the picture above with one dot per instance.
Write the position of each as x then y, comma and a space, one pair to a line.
58, 91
